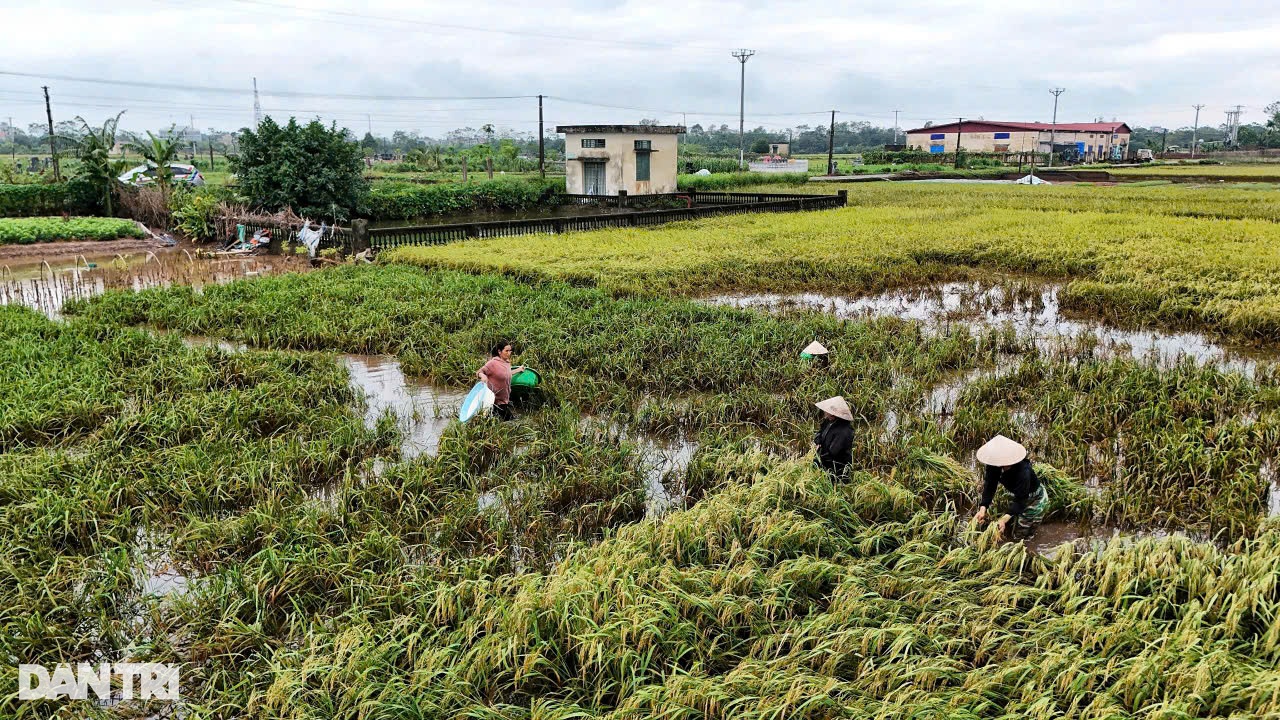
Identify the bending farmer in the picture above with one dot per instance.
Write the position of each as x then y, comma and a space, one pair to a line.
835, 437
1007, 465
497, 375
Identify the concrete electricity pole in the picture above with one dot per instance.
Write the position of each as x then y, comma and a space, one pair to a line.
742, 55
895, 126
831, 145
53, 152
542, 153
959, 139
1195, 129
1053, 128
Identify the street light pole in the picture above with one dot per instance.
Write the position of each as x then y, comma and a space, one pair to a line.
742, 55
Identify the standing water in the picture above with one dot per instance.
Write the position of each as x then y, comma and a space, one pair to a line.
422, 411
47, 287
1032, 310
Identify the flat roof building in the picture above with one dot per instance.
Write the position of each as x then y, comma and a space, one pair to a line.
606, 159
1093, 141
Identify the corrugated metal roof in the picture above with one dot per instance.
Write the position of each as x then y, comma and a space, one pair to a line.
1001, 126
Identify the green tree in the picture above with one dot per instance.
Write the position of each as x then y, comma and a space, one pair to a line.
96, 166
369, 142
760, 146
159, 152
315, 170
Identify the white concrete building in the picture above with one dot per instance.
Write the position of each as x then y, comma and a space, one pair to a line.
606, 159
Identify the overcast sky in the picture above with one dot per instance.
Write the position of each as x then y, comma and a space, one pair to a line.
1145, 63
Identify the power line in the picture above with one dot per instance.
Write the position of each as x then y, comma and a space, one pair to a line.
271, 93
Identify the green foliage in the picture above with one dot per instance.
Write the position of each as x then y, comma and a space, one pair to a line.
405, 201
159, 152
96, 166
23, 231
76, 197
728, 181
692, 163
316, 171
196, 210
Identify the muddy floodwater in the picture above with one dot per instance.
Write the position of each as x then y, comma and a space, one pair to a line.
1032, 310
48, 286
422, 411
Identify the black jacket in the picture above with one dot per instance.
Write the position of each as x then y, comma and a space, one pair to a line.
835, 446
1020, 480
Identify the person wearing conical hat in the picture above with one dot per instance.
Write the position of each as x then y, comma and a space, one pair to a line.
816, 352
1007, 464
834, 438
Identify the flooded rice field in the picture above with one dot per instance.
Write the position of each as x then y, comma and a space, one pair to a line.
47, 286
1031, 310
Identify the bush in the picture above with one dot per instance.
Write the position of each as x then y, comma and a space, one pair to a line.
405, 201
195, 210
314, 170
24, 231
75, 197
694, 163
725, 181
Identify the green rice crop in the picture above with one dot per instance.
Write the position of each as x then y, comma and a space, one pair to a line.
23, 231
778, 595
1137, 266
672, 366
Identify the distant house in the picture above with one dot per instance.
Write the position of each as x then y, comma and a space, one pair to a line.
780, 149
606, 159
1092, 141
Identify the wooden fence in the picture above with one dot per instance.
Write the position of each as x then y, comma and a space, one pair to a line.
704, 204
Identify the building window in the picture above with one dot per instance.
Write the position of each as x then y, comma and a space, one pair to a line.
642, 166
938, 136
644, 145
1002, 136
592, 142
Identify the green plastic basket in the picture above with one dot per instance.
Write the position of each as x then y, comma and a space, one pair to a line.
526, 378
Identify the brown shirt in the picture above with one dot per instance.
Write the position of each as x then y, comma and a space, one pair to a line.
499, 373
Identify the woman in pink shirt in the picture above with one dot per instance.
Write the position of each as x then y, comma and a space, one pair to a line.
497, 375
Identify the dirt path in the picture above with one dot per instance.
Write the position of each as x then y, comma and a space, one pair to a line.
13, 254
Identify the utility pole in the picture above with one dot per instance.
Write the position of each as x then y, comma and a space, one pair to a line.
369, 119
192, 137
959, 138
831, 145
742, 54
1053, 128
895, 126
13, 141
53, 152
257, 106
1164, 138
542, 156
1195, 129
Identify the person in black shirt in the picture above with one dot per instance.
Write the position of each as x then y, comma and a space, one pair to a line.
1007, 464
834, 438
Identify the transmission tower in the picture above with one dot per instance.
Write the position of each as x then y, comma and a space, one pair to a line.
257, 105
1233, 125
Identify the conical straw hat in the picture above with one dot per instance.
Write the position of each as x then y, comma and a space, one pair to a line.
1001, 452
836, 406
814, 348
